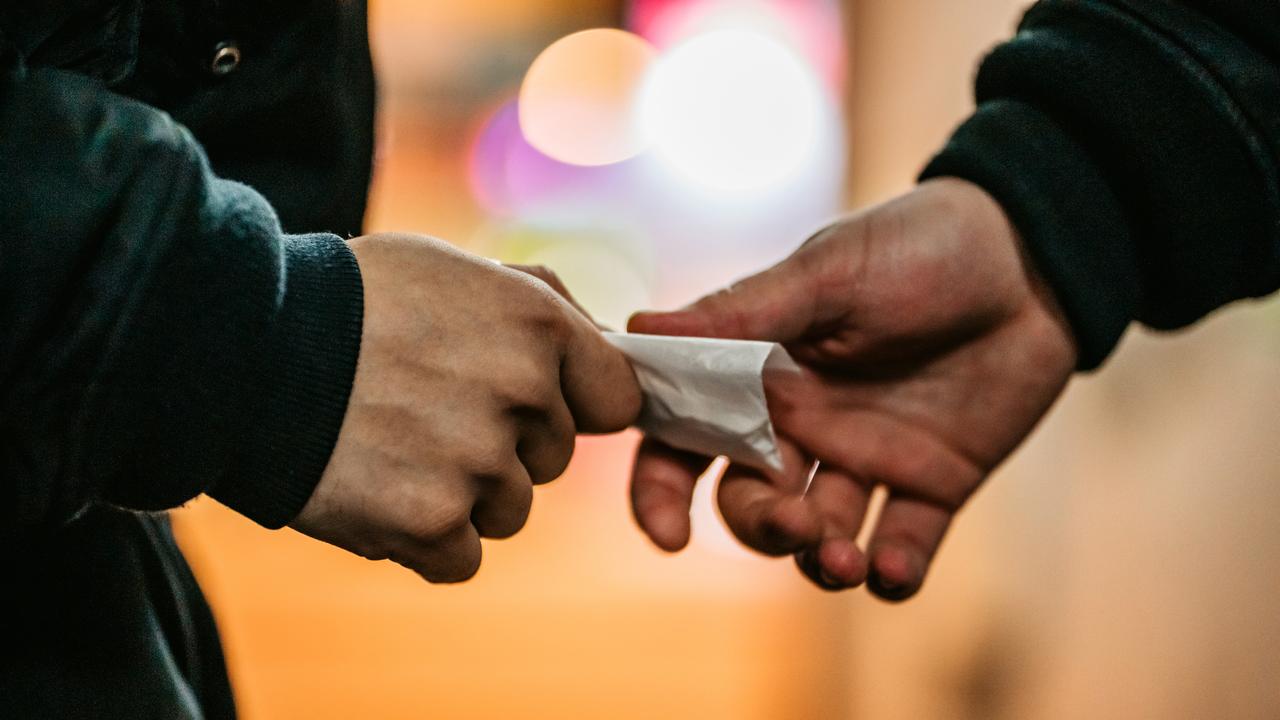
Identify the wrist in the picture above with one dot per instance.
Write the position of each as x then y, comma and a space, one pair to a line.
301, 383
983, 219
1071, 225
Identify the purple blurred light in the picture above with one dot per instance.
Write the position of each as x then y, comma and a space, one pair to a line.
508, 176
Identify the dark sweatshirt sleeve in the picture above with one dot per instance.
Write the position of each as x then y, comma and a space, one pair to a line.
159, 335
1134, 143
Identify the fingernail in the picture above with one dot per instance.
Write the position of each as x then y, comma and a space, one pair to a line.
887, 585
639, 317
886, 589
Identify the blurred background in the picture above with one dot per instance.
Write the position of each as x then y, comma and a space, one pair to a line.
1125, 564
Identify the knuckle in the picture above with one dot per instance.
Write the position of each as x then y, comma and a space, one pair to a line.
547, 445
561, 454
505, 509
488, 456
468, 566
454, 567
436, 520
544, 311
445, 575
528, 384
545, 274
451, 562
512, 524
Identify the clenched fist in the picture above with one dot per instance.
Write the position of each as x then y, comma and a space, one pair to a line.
471, 383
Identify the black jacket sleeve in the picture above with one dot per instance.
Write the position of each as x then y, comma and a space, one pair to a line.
159, 335
1135, 144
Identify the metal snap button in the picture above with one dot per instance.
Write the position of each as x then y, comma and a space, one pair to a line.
226, 57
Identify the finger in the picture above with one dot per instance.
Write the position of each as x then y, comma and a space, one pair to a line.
768, 513
549, 276
662, 482
451, 559
927, 481
903, 545
840, 500
546, 441
779, 304
868, 445
599, 385
503, 502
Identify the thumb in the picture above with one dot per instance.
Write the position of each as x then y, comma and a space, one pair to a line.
779, 304
599, 385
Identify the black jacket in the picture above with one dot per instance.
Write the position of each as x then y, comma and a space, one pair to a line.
161, 335
1136, 146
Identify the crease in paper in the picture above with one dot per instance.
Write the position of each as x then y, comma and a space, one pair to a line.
706, 395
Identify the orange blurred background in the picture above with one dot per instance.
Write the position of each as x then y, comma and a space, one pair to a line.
1126, 562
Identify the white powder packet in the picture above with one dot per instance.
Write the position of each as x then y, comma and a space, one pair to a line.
706, 395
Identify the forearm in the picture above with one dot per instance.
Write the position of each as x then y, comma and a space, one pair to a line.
1135, 146
161, 336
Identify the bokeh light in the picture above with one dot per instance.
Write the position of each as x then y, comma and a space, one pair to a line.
811, 28
744, 156
577, 102
608, 270
510, 177
732, 111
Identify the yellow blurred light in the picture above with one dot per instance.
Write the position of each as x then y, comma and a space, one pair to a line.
578, 100
607, 271
733, 112
599, 278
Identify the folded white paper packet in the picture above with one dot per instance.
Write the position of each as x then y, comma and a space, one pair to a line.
707, 395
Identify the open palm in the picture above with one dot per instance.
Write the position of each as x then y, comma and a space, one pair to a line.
931, 349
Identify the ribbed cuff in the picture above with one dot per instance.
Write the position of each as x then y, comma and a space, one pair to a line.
1071, 224
301, 383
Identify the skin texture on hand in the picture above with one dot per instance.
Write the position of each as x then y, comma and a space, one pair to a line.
931, 350
471, 383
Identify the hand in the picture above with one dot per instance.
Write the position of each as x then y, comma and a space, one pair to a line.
931, 349
471, 382
553, 281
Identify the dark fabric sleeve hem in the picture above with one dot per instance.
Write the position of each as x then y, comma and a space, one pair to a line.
1071, 224
302, 383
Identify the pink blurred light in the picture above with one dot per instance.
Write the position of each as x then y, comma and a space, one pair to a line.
812, 28
508, 176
